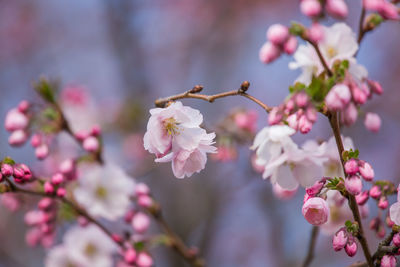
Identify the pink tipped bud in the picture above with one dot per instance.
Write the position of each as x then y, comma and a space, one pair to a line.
36, 140
82, 135
33, 217
388, 261
383, 203
372, 122
144, 260
293, 121
339, 240
91, 144
301, 99
277, 34
351, 166
375, 192
15, 120
290, 46
338, 97
129, 216
275, 116
304, 124
269, 52
117, 238
396, 240
42, 151
315, 189
48, 188
362, 198
142, 189
337, 8
389, 222
27, 172
17, 138
130, 256
45, 203
18, 172
96, 130
33, 236
61, 192
375, 87
388, 10
311, 114
67, 166
57, 179
310, 8
83, 221
315, 33
359, 95
23, 106
145, 201
140, 222
366, 171
316, 211
7, 169
351, 249
353, 185
372, 4
350, 114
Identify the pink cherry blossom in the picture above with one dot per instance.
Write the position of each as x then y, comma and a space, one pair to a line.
277, 34
269, 52
16, 120
372, 122
316, 211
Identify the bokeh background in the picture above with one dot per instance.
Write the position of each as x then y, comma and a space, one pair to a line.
128, 53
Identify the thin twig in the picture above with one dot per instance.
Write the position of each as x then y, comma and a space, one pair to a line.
193, 93
311, 246
361, 29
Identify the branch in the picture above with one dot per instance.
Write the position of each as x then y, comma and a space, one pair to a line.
193, 93
383, 246
361, 29
333, 120
311, 246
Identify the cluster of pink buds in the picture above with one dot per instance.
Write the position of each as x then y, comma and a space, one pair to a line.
380, 193
246, 120
355, 168
55, 185
385, 8
298, 111
17, 122
313, 8
41, 147
20, 172
43, 223
90, 140
279, 40
133, 258
343, 239
347, 96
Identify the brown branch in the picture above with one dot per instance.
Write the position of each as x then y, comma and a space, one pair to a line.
311, 246
384, 246
320, 56
361, 29
193, 93
333, 120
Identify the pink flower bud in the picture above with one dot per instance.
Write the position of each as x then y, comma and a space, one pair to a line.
117, 238
130, 256
96, 130
47, 240
275, 116
145, 201
283, 194
129, 216
277, 34
142, 189
15, 120
82, 135
23, 106
315, 189
7, 169
351, 166
366, 171
33, 236
351, 249
91, 144
383, 203
45, 203
82, 221
353, 185
316, 32
310, 8
359, 95
372, 4
48, 188
61, 192
17, 138
144, 260
362, 198
19, 173
350, 114
375, 192
301, 99
269, 52
290, 46
27, 172
339, 240
389, 222
57, 179
388, 261
316, 211
304, 124
33, 217
140, 222
311, 114
42, 151
396, 240
36, 140
388, 10
293, 121
372, 122
375, 87
337, 8
338, 97
67, 166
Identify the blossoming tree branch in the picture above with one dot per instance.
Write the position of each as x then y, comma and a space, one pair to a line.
339, 185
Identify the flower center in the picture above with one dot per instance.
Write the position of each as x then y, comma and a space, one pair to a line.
331, 52
171, 126
90, 250
101, 192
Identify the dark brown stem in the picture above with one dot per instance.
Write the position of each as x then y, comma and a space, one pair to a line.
321, 57
311, 246
361, 29
334, 122
384, 246
193, 93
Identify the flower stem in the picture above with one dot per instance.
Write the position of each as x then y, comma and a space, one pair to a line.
311, 246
